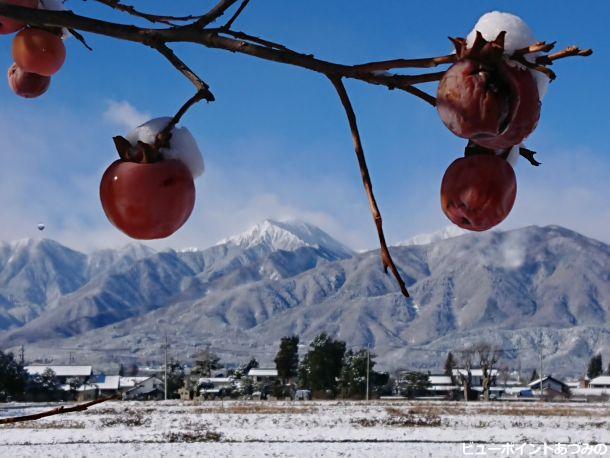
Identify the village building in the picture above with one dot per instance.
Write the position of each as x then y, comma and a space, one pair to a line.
442, 385
262, 375
215, 386
65, 375
551, 387
141, 388
603, 381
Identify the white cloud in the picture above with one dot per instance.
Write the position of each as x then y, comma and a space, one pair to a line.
125, 115
53, 177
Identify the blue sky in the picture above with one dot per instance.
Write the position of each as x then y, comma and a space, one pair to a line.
276, 143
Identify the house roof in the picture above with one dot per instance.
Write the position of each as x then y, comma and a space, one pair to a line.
107, 382
262, 372
128, 382
443, 387
474, 372
516, 389
215, 380
590, 391
601, 380
440, 380
548, 377
61, 371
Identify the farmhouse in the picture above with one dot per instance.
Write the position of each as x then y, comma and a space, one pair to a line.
141, 387
476, 376
550, 386
603, 381
441, 385
65, 375
262, 375
214, 386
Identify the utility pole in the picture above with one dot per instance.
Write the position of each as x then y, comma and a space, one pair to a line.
368, 363
165, 384
541, 356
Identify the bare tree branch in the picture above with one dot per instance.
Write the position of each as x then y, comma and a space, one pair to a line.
386, 258
154, 18
211, 38
56, 411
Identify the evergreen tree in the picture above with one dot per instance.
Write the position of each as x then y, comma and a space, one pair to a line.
414, 384
322, 364
13, 377
608, 370
287, 358
449, 364
175, 379
534, 376
43, 387
595, 368
353, 375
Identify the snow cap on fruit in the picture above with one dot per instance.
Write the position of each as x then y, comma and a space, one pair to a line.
518, 36
182, 143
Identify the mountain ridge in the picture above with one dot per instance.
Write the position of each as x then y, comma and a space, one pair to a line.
241, 299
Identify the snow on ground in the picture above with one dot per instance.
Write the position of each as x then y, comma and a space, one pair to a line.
305, 429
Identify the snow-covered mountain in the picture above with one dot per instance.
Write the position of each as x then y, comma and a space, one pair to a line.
288, 236
241, 296
431, 237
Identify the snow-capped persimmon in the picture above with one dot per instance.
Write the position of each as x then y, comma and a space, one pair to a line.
148, 200
483, 98
28, 85
8, 25
478, 191
38, 51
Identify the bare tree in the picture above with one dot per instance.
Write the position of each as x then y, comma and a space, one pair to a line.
487, 356
464, 373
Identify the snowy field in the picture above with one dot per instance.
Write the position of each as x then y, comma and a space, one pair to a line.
309, 429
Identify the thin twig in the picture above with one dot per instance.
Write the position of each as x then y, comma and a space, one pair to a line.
56, 411
80, 38
214, 13
386, 259
169, 54
428, 62
230, 22
568, 52
541, 46
154, 18
529, 155
203, 93
162, 139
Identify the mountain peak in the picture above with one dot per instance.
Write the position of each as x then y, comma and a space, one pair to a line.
447, 232
288, 235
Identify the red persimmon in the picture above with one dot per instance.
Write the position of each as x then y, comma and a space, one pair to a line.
478, 192
148, 200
